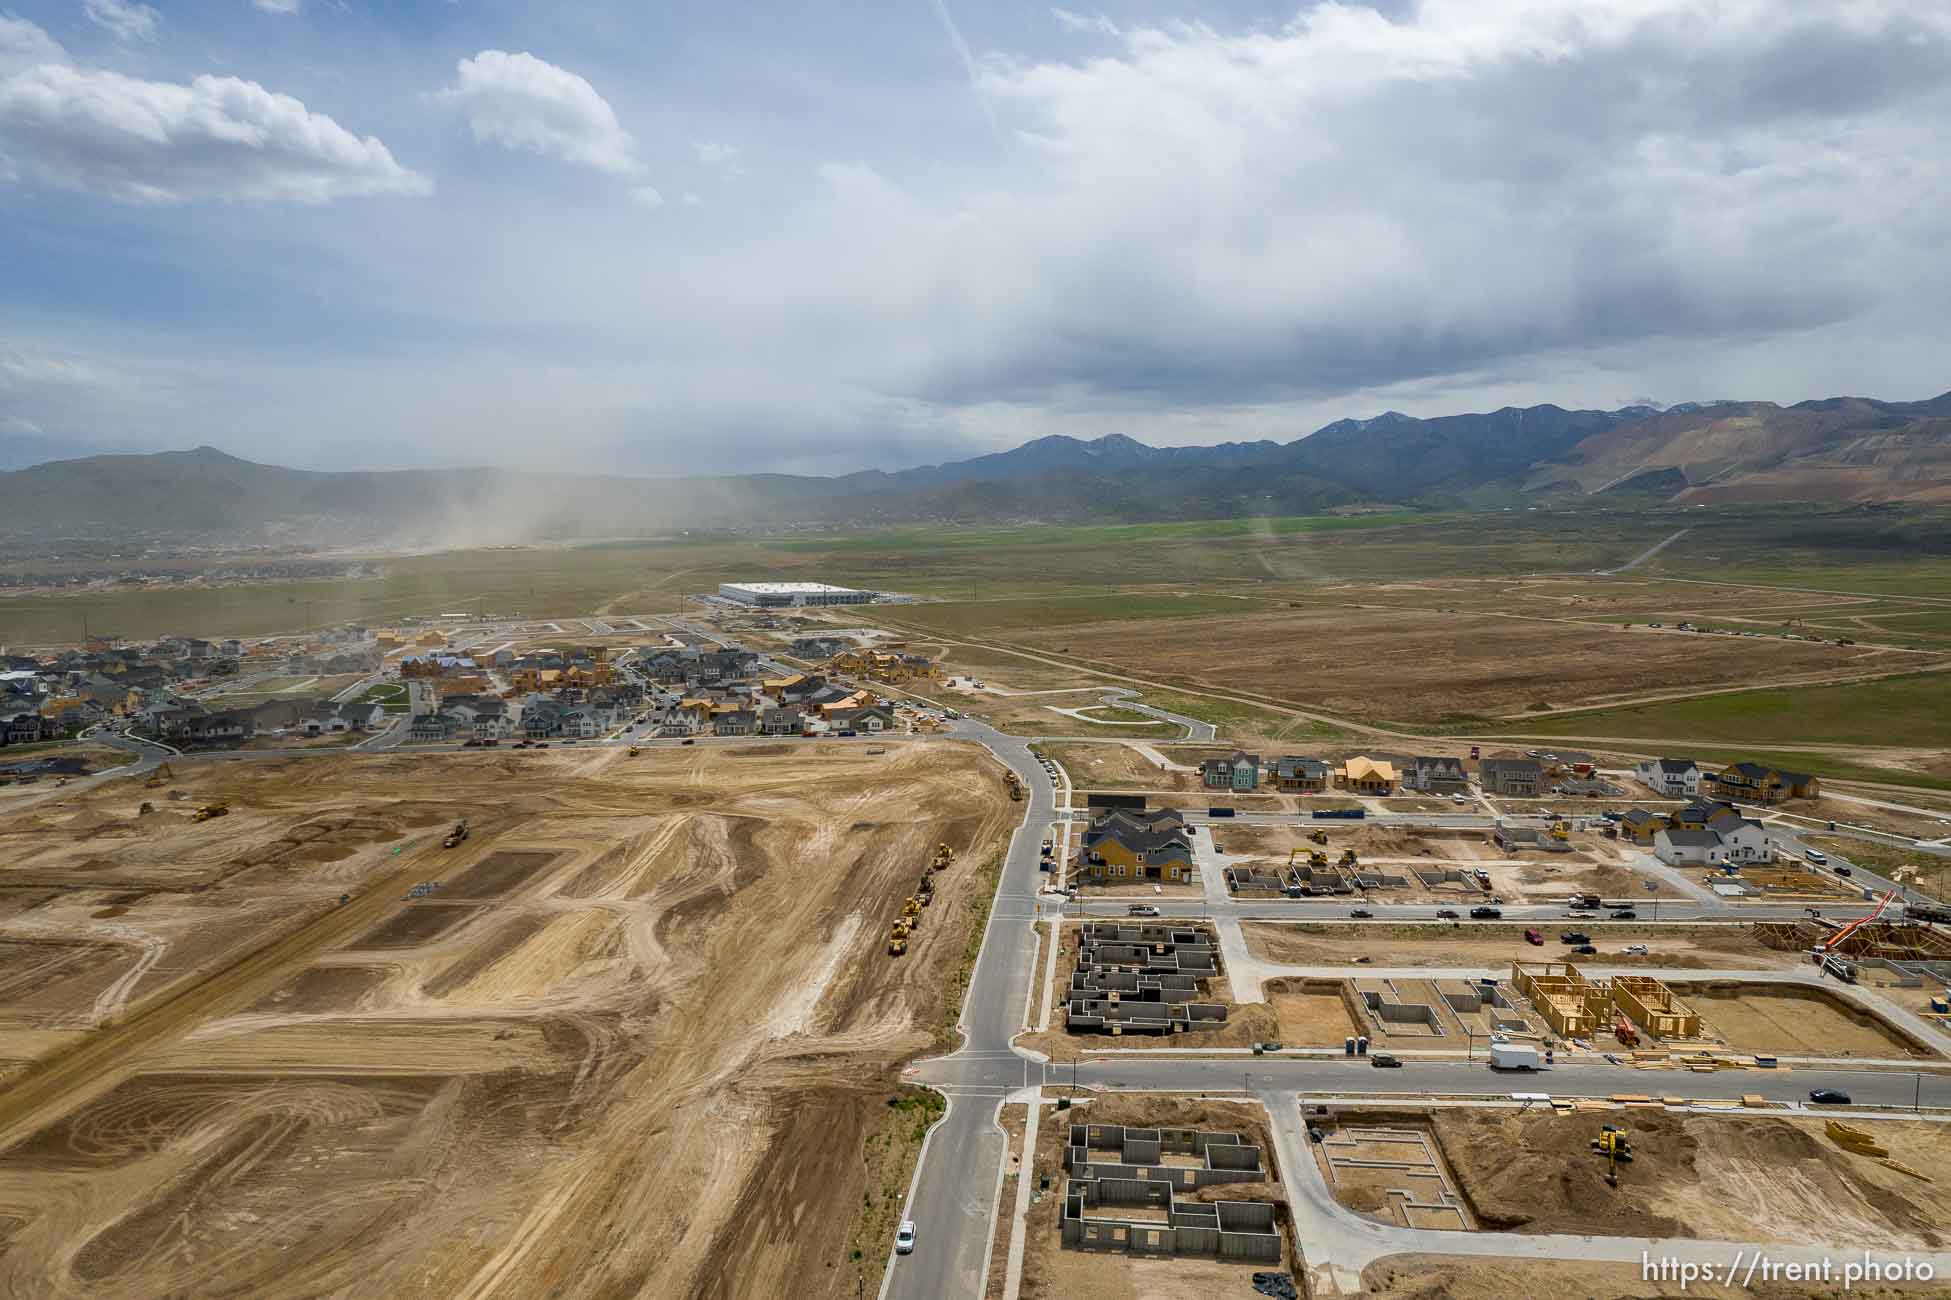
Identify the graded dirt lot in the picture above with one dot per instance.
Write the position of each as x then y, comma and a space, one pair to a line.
1053, 1272
1494, 947
650, 991
1455, 1277
1440, 665
1742, 1178
1118, 767
1774, 1020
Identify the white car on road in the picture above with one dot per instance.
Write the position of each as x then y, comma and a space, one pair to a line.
904, 1238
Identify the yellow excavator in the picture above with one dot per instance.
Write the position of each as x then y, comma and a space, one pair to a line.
1616, 1147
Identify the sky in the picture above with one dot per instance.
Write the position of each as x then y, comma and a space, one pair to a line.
694, 237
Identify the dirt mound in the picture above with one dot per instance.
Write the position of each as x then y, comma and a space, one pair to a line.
1537, 1173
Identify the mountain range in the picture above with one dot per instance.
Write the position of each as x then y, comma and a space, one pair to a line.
1839, 449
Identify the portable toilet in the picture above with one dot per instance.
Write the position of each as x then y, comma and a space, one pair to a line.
1348, 1045
1361, 1045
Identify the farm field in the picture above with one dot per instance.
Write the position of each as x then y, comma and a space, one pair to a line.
1912, 710
647, 989
1430, 668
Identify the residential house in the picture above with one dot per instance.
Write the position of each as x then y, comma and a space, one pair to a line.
735, 722
578, 724
1640, 826
1124, 845
541, 717
870, 720
1678, 847
1746, 841
779, 722
1694, 816
1676, 778
1294, 774
1759, 783
226, 727
1438, 775
1365, 775
1518, 778
22, 726
430, 728
1237, 771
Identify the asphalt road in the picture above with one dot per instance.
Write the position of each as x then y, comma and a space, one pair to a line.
953, 1199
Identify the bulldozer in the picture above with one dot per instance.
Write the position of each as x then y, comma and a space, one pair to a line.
1561, 830
1318, 836
210, 812
1318, 860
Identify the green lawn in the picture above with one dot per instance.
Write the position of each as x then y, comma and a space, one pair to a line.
1899, 711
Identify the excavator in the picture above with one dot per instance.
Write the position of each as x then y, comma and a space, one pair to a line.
1616, 1147
162, 776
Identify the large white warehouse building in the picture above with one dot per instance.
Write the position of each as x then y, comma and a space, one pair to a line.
772, 594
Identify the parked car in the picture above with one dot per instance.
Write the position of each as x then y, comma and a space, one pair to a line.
1585, 950
690, 740
1361, 914
1446, 914
904, 1238
1575, 936
1828, 1097
1534, 938
1141, 909
1486, 914
1314, 1133
1384, 1061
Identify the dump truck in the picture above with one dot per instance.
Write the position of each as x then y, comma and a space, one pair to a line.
897, 940
455, 836
1015, 786
943, 856
1514, 1056
210, 811
925, 891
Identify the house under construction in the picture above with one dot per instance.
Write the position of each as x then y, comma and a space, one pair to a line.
1577, 1007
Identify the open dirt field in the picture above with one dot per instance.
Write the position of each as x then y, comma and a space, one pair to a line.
1792, 1022
1707, 1176
1118, 767
648, 991
1440, 665
1457, 1277
1494, 947
1051, 1272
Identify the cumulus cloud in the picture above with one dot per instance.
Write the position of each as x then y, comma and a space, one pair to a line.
23, 45
278, 6
128, 19
1350, 201
523, 102
216, 138
718, 155
646, 196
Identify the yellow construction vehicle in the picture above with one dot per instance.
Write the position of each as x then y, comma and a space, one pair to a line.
1613, 1144
1318, 836
925, 891
1318, 860
1348, 858
160, 777
1015, 786
1561, 830
897, 940
943, 856
636, 750
210, 811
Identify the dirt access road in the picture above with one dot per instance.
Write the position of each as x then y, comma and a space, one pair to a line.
641, 1041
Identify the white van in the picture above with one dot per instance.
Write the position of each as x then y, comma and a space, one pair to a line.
1816, 856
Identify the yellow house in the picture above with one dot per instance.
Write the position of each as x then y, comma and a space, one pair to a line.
1367, 776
